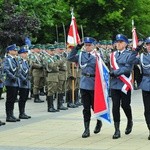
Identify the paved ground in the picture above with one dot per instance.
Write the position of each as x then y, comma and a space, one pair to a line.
62, 130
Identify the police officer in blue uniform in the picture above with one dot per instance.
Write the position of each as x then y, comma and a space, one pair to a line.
87, 64
24, 82
124, 60
11, 69
145, 83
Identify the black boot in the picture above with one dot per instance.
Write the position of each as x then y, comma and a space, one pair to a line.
148, 125
22, 114
37, 99
76, 95
86, 132
69, 101
42, 91
2, 123
98, 126
129, 127
117, 131
12, 115
60, 102
50, 104
9, 118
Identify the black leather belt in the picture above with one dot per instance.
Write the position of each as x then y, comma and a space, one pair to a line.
147, 75
88, 75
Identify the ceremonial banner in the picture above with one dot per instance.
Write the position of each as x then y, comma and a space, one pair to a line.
101, 98
73, 36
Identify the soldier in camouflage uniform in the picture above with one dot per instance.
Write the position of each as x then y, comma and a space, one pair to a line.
52, 69
62, 75
37, 72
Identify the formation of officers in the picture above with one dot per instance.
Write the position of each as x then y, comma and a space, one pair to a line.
31, 71
61, 73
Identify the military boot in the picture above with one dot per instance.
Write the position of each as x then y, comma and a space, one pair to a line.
37, 99
76, 95
98, 126
9, 118
129, 127
117, 131
148, 125
86, 132
50, 104
60, 102
42, 91
70, 104
12, 115
22, 114
2, 123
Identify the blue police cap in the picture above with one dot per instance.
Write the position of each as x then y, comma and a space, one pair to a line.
89, 40
11, 47
22, 50
147, 40
121, 37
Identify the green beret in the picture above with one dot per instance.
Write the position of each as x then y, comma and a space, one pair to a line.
37, 46
61, 46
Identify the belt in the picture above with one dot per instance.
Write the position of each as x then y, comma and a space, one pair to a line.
88, 75
147, 75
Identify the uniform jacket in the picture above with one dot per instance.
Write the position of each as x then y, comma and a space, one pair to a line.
24, 74
125, 62
12, 71
89, 64
145, 66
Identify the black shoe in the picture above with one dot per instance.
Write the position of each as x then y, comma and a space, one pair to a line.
98, 127
52, 110
38, 101
24, 116
62, 107
42, 94
2, 123
86, 133
17, 119
78, 104
71, 105
116, 135
149, 137
10, 119
129, 127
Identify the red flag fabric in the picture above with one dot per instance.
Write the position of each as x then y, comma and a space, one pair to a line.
101, 98
73, 35
134, 38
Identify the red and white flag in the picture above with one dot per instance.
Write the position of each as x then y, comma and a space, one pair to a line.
73, 35
134, 37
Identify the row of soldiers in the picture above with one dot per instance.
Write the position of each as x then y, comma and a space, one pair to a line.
32, 69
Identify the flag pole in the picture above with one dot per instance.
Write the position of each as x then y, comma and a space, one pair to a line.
57, 33
82, 33
73, 71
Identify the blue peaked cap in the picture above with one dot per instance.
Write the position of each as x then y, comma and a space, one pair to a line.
11, 47
22, 50
147, 40
121, 37
89, 40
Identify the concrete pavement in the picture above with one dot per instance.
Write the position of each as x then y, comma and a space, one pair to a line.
63, 130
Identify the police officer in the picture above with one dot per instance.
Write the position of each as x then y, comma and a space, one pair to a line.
1, 79
24, 82
144, 85
12, 71
121, 68
87, 62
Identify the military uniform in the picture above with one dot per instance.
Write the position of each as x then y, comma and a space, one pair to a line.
62, 76
37, 73
12, 71
87, 64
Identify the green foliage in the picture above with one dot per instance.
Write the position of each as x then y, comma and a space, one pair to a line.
101, 19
